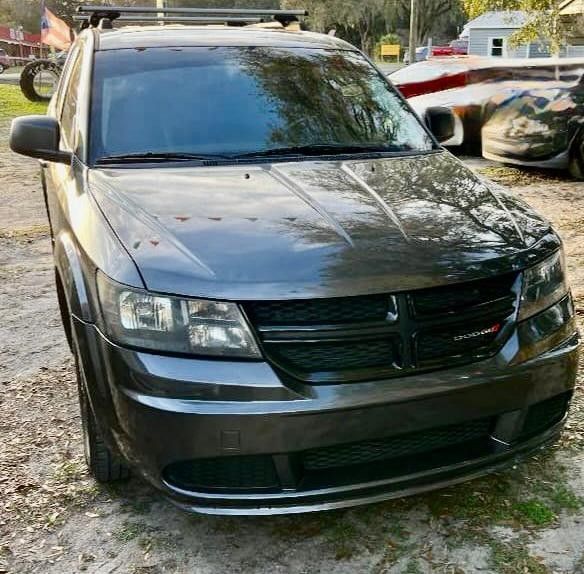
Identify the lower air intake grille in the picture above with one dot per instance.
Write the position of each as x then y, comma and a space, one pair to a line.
233, 472
545, 414
394, 447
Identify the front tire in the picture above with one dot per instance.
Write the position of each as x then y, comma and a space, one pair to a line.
2, 68
104, 465
576, 165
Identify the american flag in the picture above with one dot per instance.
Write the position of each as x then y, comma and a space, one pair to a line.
54, 32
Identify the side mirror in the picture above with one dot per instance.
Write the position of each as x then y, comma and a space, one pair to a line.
440, 122
39, 137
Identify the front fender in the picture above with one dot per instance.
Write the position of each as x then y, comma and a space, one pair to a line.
575, 129
70, 270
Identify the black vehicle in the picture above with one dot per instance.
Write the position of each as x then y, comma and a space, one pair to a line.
281, 292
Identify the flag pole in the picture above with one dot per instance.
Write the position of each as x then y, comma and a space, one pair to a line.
41, 29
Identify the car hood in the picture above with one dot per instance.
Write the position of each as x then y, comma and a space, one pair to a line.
316, 228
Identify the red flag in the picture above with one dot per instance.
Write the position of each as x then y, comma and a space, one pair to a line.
54, 32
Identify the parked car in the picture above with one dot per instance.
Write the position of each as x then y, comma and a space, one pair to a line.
281, 293
425, 52
526, 112
459, 47
421, 54
436, 51
4, 61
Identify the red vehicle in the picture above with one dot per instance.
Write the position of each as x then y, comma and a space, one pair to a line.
459, 47
442, 51
4, 61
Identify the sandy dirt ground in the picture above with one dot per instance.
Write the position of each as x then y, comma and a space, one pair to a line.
55, 519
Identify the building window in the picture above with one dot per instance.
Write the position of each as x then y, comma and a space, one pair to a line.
497, 47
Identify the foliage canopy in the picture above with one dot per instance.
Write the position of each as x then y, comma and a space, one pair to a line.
545, 23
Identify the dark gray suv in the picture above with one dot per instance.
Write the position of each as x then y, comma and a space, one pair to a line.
281, 292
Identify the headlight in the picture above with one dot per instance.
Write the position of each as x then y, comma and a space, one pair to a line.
140, 319
543, 285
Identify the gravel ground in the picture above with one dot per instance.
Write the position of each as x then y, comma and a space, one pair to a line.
55, 519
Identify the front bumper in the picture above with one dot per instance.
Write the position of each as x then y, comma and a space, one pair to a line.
523, 152
368, 492
162, 411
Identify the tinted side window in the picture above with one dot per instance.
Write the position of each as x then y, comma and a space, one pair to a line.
69, 111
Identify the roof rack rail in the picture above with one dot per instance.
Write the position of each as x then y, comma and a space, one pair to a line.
184, 19
244, 15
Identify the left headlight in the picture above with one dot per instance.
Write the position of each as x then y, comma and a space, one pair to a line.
543, 285
144, 320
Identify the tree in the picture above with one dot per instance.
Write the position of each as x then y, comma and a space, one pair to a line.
363, 22
544, 22
433, 15
27, 13
360, 22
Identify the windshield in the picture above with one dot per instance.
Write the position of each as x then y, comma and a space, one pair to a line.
241, 101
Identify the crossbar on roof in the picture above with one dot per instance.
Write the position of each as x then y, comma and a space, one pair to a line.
188, 19
194, 11
102, 16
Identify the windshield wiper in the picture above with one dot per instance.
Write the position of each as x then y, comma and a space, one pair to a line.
150, 156
296, 151
323, 149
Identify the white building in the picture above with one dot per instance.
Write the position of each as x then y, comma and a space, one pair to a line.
488, 35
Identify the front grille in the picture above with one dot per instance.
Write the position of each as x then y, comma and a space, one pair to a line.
378, 336
456, 341
545, 414
229, 472
442, 300
320, 311
395, 447
330, 356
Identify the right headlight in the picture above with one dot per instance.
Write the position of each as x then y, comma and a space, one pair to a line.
543, 285
137, 318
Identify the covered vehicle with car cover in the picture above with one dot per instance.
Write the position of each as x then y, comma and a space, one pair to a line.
521, 111
542, 127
